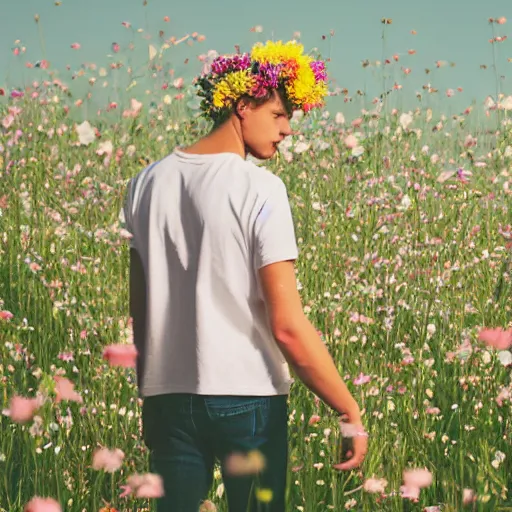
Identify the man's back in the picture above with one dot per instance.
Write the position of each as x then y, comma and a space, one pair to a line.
203, 225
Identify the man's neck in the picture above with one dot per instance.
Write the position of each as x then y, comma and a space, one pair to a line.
226, 138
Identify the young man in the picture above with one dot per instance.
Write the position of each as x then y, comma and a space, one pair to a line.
216, 312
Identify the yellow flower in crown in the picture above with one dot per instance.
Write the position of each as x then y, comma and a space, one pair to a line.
267, 67
233, 86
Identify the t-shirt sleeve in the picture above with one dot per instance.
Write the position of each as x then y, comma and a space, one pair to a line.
274, 231
125, 217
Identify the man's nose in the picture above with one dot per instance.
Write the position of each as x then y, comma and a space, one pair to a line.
286, 129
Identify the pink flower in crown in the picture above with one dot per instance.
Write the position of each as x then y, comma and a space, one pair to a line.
223, 64
318, 68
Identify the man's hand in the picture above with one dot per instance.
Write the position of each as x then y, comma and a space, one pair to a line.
357, 440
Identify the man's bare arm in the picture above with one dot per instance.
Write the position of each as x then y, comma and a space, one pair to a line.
304, 350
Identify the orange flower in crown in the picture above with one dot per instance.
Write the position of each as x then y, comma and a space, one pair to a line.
268, 66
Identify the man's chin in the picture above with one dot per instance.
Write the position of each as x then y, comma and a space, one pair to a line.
263, 156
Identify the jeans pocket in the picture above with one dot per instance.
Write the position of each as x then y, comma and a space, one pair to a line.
238, 417
226, 406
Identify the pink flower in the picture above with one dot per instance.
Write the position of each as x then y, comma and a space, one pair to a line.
352, 430
501, 21
375, 485
208, 506
468, 496
167, 19
496, 338
356, 123
37, 504
5, 315
148, 485
178, 83
356, 317
361, 379
135, 110
121, 354
470, 141
411, 493
107, 460
417, 478
23, 409
314, 419
115, 47
65, 390
7, 121
75, 46
350, 141
244, 464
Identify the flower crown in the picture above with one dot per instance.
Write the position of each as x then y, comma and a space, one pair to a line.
267, 67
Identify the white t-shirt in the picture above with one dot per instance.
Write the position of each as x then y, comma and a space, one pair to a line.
203, 225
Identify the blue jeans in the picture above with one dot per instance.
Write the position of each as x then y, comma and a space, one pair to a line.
186, 433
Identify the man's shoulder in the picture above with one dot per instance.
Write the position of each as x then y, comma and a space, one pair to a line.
150, 172
264, 179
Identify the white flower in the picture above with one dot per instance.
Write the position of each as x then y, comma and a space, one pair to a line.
339, 118
489, 102
405, 203
486, 357
297, 115
320, 145
405, 120
357, 151
507, 103
301, 147
499, 457
505, 357
85, 133
105, 148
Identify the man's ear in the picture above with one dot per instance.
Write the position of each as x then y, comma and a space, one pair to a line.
241, 109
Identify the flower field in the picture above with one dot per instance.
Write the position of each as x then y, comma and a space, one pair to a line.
404, 225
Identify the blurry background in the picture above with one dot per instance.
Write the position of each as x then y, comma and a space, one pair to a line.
450, 39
